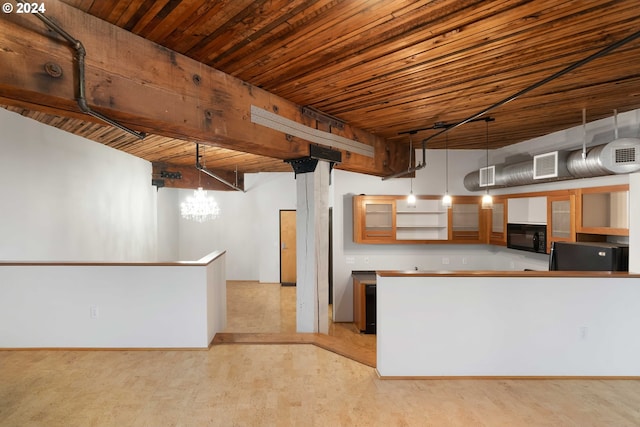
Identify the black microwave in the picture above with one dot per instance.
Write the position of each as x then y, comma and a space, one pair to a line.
527, 237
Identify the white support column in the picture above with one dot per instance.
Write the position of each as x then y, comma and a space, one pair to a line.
312, 256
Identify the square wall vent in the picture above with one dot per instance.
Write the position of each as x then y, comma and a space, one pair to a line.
545, 165
488, 176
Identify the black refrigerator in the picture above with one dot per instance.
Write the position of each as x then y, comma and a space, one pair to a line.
588, 256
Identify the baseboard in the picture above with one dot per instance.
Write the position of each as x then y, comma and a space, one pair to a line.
103, 348
509, 377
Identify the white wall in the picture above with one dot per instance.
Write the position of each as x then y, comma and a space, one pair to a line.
248, 227
168, 225
273, 192
66, 198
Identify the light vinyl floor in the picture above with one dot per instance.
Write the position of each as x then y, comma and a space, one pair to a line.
282, 385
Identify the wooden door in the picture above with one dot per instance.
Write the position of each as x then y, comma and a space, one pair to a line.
288, 247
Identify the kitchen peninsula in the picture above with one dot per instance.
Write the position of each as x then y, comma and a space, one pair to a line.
507, 324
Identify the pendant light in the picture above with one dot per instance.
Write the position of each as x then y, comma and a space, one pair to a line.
199, 207
411, 198
584, 134
487, 200
446, 199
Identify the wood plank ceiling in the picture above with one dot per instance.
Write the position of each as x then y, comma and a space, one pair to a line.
390, 67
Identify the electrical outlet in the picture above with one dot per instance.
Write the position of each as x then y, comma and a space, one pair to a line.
464, 260
366, 260
93, 311
584, 331
445, 260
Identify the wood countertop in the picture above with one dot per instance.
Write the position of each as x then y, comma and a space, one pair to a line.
491, 273
364, 277
206, 260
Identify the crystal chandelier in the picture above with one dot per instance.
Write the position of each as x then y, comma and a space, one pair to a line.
199, 207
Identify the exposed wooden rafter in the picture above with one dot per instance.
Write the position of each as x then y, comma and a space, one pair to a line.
152, 89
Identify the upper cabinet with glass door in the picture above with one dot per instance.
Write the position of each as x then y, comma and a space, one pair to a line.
466, 219
498, 215
374, 219
603, 210
561, 226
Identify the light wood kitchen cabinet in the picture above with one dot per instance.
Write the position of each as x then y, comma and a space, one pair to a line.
527, 209
603, 210
561, 226
497, 218
374, 219
570, 215
390, 219
467, 220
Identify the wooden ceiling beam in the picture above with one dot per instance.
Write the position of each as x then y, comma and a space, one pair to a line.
149, 88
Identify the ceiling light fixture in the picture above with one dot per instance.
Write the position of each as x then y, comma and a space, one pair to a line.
199, 207
411, 198
446, 199
487, 200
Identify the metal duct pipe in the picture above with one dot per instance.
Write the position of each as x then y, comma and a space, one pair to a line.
588, 167
616, 157
518, 173
621, 155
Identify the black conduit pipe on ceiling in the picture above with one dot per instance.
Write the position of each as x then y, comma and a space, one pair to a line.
546, 80
213, 175
80, 55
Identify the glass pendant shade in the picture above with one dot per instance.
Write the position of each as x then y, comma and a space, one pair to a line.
487, 201
411, 199
446, 200
200, 207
